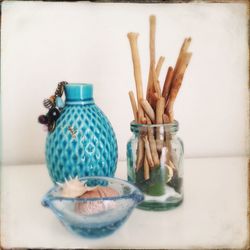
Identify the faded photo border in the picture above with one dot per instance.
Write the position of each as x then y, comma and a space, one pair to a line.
169, 2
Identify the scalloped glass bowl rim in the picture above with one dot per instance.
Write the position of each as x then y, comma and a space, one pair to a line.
135, 194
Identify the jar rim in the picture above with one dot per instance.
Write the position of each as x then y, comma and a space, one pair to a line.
171, 127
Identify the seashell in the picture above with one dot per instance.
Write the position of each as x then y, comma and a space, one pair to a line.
107, 191
170, 173
93, 207
47, 103
172, 165
73, 188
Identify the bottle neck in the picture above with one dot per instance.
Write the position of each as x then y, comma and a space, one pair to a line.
79, 94
85, 102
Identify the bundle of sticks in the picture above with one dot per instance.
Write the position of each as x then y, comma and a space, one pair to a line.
157, 107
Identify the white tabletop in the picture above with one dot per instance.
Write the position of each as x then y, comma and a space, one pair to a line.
213, 214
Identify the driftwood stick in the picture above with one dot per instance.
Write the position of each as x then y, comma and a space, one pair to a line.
148, 109
165, 119
146, 169
143, 120
139, 153
183, 50
167, 83
177, 81
152, 29
159, 66
133, 104
137, 69
160, 107
168, 139
157, 86
152, 144
148, 152
154, 98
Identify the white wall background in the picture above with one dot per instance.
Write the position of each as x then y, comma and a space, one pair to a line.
44, 43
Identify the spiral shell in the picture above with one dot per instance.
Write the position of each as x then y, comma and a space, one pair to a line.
60, 88
47, 103
74, 188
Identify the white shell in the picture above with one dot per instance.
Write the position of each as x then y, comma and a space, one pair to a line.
171, 165
170, 173
73, 188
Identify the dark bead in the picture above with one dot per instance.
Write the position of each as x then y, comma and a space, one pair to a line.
43, 119
53, 114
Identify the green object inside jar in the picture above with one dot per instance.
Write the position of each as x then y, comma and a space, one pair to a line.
155, 185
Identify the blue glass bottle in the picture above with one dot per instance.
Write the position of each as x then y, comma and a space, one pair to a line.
83, 142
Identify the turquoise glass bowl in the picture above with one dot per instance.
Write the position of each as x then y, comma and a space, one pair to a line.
98, 224
83, 142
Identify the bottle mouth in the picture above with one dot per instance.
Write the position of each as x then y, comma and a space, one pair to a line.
167, 127
78, 92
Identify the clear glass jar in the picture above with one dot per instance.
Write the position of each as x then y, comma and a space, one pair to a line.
154, 158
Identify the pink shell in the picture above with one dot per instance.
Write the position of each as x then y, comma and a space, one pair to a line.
93, 207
